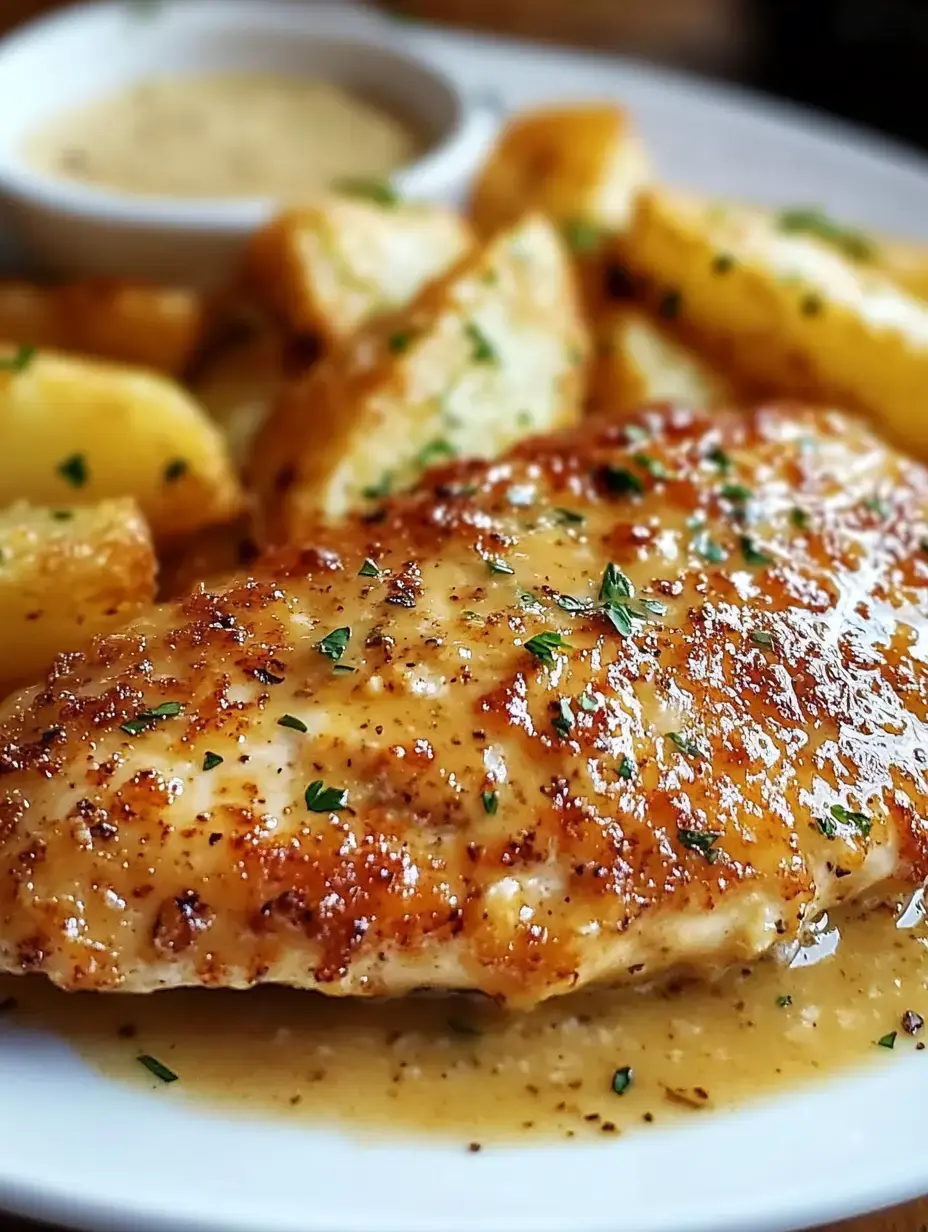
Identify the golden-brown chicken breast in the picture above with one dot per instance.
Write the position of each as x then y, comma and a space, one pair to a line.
640, 697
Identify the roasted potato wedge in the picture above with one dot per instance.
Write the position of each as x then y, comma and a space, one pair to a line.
154, 327
639, 361
82, 430
327, 269
582, 165
906, 262
783, 308
493, 352
65, 575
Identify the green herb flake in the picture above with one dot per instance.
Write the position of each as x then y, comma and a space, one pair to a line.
63, 515
784, 1000
400, 341
496, 565
722, 263
655, 468
380, 192
887, 1041
569, 517
343, 669
149, 718
860, 821
322, 799
576, 607
719, 458
709, 550
737, 493
582, 236
334, 644
798, 518
688, 747
291, 721
588, 703
701, 841
490, 802
626, 768
543, 645
635, 434
369, 569
622, 1079
483, 350
670, 305
19, 361
811, 305
211, 761
620, 482
810, 220
380, 489
155, 1067
826, 826
563, 721
752, 553
760, 637
175, 469
74, 470
877, 506
435, 451
615, 585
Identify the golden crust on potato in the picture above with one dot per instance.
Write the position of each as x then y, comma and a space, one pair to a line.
65, 575
83, 430
328, 268
492, 353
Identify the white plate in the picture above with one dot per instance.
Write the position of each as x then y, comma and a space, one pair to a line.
79, 1149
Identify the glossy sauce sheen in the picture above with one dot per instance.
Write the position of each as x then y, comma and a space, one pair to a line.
464, 1068
228, 135
682, 791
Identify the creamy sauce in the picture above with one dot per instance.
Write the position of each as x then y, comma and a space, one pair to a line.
229, 135
463, 1067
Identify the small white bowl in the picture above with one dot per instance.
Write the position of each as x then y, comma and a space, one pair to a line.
84, 53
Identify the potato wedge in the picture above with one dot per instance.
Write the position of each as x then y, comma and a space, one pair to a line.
327, 269
785, 309
906, 262
638, 361
582, 165
65, 575
493, 352
154, 327
82, 430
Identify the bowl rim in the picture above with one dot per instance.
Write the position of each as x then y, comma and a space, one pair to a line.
96, 202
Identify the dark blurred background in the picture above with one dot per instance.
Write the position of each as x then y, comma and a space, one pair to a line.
863, 59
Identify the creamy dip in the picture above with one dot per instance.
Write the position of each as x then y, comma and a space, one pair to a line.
596, 1063
225, 135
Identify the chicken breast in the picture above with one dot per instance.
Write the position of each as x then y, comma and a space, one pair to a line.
646, 696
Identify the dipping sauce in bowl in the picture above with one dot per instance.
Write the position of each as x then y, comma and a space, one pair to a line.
228, 135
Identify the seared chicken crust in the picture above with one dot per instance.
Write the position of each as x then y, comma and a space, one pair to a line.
645, 696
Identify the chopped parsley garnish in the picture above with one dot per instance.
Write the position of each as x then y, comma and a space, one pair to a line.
322, 799
175, 469
74, 470
543, 645
569, 517
400, 341
62, 515
368, 569
435, 451
620, 482
19, 361
809, 220
343, 669
826, 826
718, 457
155, 1067
378, 191
618, 604
709, 550
483, 350
737, 493
496, 565
380, 489
148, 718
670, 304
635, 434
811, 305
722, 262
784, 1000
688, 747
752, 553
291, 721
563, 721
760, 637
877, 506
798, 518
701, 841
490, 802
887, 1041
622, 1079
582, 236
861, 822
626, 768
334, 644
615, 586
655, 468
572, 605
588, 703
211, 761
